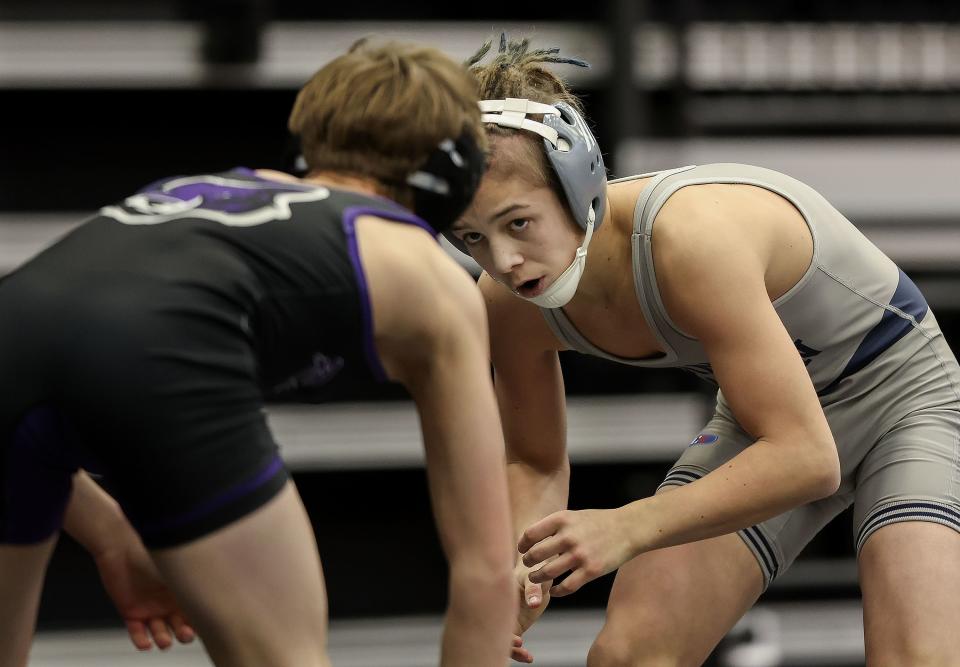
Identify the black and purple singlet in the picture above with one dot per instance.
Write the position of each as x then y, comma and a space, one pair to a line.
140, 346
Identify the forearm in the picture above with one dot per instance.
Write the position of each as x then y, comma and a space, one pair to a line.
93, 518
535, 493
480, 618
752, 487
466, 472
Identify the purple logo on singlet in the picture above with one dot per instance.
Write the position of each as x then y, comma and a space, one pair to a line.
230, 200
318, 373
705, 439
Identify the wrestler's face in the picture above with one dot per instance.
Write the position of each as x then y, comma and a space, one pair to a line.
519, 233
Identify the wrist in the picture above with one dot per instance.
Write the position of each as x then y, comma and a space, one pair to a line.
114, 535
638, 526
110, 534
95, 520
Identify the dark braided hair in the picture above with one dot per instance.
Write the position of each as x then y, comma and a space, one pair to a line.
518, 71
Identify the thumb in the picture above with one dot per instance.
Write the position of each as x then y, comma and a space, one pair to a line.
533, 594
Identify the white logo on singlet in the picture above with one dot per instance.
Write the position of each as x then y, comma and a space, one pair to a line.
234, 202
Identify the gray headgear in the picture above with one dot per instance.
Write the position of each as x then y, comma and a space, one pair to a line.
572, 151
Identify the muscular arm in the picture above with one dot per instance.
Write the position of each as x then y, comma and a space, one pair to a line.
529, 388
148, 608
93, 518
794, 459
431, 336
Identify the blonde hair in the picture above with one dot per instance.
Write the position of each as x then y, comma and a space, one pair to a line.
518, 71
378, 111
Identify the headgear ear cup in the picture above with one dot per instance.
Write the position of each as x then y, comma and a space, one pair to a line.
571, 150
445, 184
293, 160
578, 165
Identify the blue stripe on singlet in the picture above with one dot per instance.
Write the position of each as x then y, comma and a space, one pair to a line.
752, 534
763, 550
910, 510
680, 476
892, 327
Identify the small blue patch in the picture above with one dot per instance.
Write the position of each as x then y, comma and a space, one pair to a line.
705, 439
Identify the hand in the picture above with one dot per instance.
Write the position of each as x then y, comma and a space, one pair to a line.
145, 603
586, 543
533, 601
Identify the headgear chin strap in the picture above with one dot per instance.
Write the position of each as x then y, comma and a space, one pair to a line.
575, 157
445, 184
559, 293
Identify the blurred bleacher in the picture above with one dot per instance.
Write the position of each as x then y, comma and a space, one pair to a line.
859, 99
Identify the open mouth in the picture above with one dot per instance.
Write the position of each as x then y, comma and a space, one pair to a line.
531, 288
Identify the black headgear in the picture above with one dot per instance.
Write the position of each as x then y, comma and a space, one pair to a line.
444, 185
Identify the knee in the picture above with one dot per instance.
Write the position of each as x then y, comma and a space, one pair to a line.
910, 653
608, 652
612, 649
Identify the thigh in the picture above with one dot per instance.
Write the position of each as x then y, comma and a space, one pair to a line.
907, 522
911, 594
776, 542
911, 474
174, 420
672, 606
22, 569
254, 589
37, 463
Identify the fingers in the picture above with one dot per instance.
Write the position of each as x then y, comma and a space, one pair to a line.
161, 633
533, 594
144, 634
545, 549
571, 584
542, 529
182, 630
138, 635
518, 653
521, 655
554, 569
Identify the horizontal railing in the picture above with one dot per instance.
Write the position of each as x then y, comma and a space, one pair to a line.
742, 55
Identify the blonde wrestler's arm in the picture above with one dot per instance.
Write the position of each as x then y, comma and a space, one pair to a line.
93, 518
530, 394
431, 336
794, 460
147, 606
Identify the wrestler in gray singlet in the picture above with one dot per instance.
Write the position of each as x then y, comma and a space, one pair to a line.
887, 380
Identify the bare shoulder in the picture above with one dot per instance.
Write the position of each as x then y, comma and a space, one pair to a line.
415, 287
689, 213
695, 237
274, 175
699, 224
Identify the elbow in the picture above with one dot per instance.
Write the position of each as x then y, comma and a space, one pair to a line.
487, 564
493, 571
483, 585
544, 463
824, 471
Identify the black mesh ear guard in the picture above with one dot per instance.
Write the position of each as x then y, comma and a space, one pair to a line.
442, 187
445, 184
292, 157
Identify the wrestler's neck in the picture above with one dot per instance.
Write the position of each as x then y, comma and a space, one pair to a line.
603, 277
366, 186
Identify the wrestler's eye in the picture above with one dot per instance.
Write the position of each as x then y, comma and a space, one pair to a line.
471, 238
519, 224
